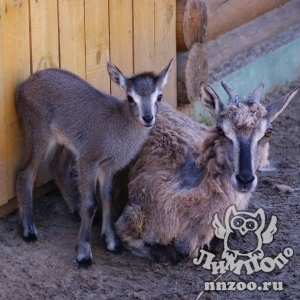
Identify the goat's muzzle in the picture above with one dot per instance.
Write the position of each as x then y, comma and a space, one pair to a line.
148, 121
244, 181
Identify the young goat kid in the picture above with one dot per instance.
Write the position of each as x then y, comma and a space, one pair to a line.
100, 131
186, 172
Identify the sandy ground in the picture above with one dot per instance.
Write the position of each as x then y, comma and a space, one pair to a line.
46, 270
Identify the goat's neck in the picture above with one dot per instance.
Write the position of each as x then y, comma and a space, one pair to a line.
132, 127
129, 118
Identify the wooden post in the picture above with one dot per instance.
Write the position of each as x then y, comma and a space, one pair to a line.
191, 21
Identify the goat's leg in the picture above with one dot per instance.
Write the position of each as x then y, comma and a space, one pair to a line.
87, 176
62, 167
130, 229
137, 237
108, 232
24, 187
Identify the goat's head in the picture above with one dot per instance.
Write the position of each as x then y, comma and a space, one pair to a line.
143, 91
244, 128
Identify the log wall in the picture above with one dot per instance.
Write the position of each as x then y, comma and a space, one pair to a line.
202, 21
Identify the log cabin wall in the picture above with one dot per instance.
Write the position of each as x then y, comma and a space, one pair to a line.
200, 26
80, 36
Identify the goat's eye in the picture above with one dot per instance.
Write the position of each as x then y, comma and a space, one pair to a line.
159, 97
220, 131
268, 132
130, 99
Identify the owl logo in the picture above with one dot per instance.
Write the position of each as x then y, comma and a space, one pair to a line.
248, 227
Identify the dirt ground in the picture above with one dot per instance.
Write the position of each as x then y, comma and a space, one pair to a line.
46, 270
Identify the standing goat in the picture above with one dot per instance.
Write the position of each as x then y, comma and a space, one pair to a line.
187, 172
100, 131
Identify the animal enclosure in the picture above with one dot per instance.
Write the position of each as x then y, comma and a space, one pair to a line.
136, 35
80, 36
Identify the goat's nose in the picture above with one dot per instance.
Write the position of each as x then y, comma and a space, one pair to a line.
244, 177
148, 118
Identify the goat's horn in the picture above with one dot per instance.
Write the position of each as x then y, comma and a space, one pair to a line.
255, 95
233, 96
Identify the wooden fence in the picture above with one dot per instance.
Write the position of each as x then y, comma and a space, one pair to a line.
80, 36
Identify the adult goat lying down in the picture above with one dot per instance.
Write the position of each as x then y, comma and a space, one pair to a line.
186, 172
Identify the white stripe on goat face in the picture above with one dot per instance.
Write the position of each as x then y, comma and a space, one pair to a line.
257, 136
146, 106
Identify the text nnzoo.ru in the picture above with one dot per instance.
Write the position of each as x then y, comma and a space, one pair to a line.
241, 286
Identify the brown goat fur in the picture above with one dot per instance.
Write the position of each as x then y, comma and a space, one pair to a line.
180, 214
182, 175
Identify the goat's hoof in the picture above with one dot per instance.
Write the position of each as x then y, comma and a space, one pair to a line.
113, 245
84, 263
28, 235
32, 237
116, 250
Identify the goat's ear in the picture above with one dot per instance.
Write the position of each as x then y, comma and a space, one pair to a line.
210, 100
162, 77
116, 75
276, 107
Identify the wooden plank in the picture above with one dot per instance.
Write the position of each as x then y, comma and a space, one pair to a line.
223, 15
121, 35
44, 51
38, 192
143, 36
270, 25
165, 45
16, 68
97, 43
44, 34
71, 36
3, 166
191, 70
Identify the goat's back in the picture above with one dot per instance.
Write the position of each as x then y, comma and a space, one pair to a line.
59, 94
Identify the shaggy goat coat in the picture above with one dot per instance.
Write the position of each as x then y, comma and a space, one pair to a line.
179, 181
